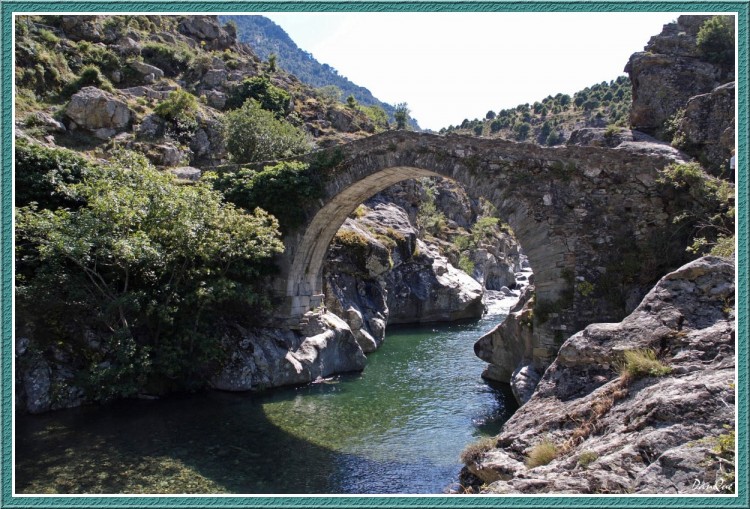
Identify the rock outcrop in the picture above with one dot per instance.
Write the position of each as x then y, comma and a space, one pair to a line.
669, 72
706, 129
263, 358
681, 96
657, 432
98, 111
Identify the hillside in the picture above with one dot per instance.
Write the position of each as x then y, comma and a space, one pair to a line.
267, 38
551, 121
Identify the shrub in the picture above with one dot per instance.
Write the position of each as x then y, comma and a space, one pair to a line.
521, 130
268, 96
149, 266
473, 452
254, 134
172, 59
179, 109
466, 264
282, 190
42, 174
639, 363
541, 454
90, 76
586, 458
715, 40
401, 115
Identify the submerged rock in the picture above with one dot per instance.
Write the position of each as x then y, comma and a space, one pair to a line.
639, 433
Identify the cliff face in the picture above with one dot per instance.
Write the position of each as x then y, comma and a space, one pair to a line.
666, 429
682, 96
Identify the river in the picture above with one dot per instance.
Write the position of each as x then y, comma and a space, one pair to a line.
397, 427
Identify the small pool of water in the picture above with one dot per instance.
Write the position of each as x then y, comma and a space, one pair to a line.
397, 427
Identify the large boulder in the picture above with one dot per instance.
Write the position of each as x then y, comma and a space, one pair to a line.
428, 288
264, 358
657, 432
209, 30
94, 109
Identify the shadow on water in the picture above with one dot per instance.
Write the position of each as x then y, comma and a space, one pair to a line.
207, 443
398, 427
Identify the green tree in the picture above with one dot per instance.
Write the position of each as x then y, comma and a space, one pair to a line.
254, 134
401, 116
716, 40
292, 180
351, 102
145, 264
268, 96
521, 130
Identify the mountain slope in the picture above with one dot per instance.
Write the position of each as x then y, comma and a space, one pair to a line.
267, 38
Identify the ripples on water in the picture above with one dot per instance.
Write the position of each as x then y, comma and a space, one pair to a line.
397, 427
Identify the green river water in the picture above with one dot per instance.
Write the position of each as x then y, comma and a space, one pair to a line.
397, 427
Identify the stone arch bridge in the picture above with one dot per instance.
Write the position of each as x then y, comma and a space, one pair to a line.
595, 223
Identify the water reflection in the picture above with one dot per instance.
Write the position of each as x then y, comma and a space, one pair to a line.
398, 427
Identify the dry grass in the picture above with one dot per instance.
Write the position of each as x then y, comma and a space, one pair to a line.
473, 452
541, 454
639, 363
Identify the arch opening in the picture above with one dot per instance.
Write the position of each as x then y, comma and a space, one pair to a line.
304, 284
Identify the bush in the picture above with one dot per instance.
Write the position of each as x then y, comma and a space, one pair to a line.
42, 174
90, 76
282, 190
639, 363
149, 266
716, 40
267, 95
255, 134
521, 130
172, 59
541, 454
179, 109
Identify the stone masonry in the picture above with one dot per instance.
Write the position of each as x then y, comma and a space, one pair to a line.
594, 222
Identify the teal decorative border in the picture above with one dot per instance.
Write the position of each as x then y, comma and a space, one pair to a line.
9, 7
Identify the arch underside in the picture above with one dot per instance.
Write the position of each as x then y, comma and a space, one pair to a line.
304, 285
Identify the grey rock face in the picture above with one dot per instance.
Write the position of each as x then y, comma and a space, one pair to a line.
208, 29
92, 108
706, 130
145, 69
668, 73
648, 434
264, 358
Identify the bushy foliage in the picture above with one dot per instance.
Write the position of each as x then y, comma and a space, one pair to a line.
715, 40
144, 265
179, 109
255, 134
712, 214
401, 115
170, 58
282, 190
90, 76
43, 173
474, 451
267, 95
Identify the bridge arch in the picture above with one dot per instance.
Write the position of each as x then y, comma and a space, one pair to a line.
577, 211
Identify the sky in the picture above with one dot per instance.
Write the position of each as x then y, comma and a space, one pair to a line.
452, 66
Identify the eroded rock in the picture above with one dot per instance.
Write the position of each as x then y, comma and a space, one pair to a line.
647, 434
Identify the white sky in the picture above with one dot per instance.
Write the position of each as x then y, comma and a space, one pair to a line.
451, 66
